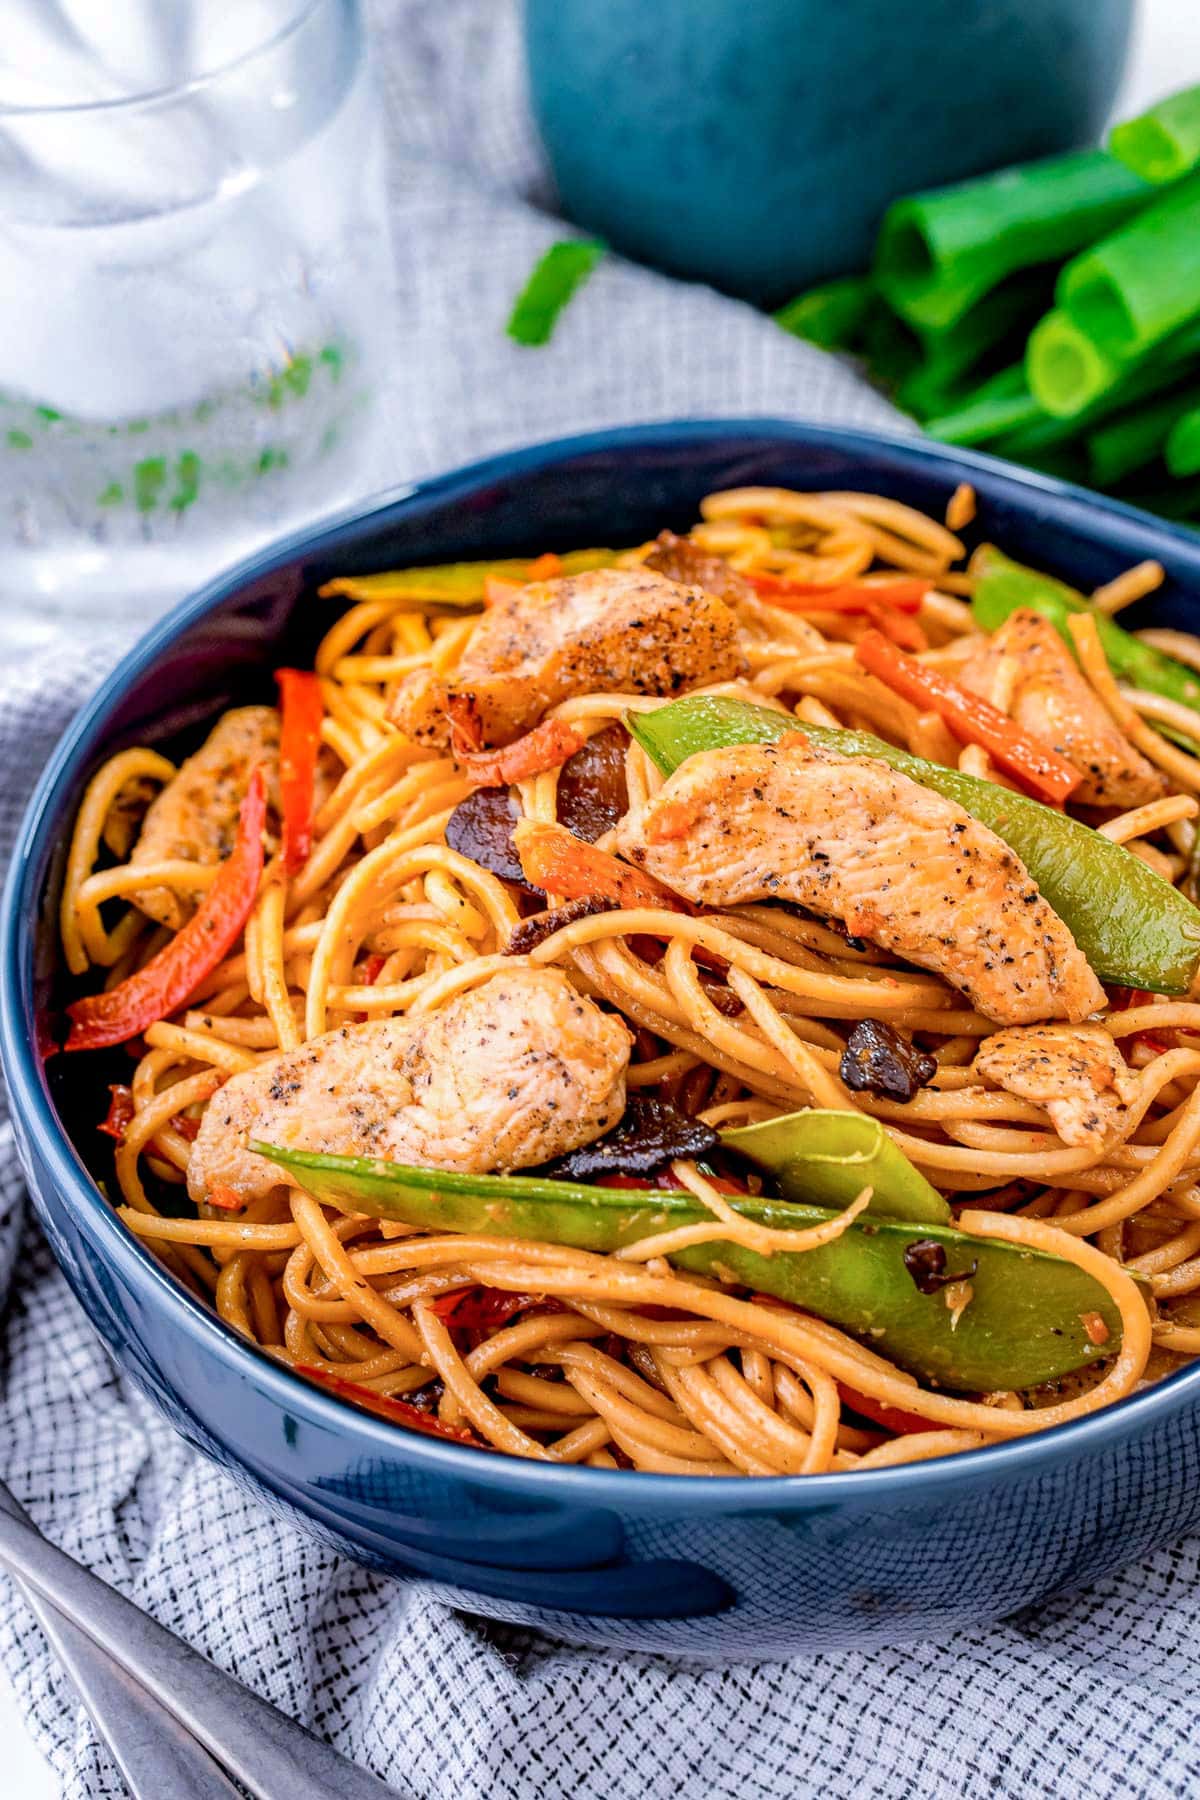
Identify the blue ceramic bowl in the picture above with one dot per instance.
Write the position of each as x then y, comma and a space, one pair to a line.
756, 146
721, 1569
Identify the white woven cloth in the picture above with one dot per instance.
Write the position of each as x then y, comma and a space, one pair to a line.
1095, 1694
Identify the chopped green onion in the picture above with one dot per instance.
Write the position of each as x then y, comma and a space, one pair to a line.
1137, 286
1001, 404
1182, 454
1137, 435
832, 315
1163, 143
1066, 369
554, 278
940, 252
1070, 374
946, 356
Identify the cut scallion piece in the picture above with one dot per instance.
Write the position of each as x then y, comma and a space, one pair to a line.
832, 315
1163, 143
940, 252
1182, 454
1137, 435
1136, 287
554, 279
999, 405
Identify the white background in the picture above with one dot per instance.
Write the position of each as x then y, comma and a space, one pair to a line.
1166, 55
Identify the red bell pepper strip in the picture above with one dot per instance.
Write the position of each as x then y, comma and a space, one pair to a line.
901, 628
555, 860
194, 952
386, 1406
480, 1308
892, 1418
904, 595
121, 1112
973, 720
668, 1180
302, 710
547, 746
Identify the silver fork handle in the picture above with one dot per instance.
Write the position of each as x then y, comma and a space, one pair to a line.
155, 1754
270, 1754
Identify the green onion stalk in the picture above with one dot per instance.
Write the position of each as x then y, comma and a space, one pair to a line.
1163, 143
938, 253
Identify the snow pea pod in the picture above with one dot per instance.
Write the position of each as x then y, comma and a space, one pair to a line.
1023, 1324
1134, 928
827, 1158
1002, 585
455, 584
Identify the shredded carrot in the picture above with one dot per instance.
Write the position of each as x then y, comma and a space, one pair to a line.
1095, 1329
673, 818
904, 595
554, 859
972, 719
545, 747
546, 567
224, 1198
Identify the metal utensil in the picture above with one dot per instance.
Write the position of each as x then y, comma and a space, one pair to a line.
154, 1753
270, 1754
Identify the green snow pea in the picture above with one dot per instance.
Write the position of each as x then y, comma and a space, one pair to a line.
1134, 928
1023, 1324
826, 1159
454, 584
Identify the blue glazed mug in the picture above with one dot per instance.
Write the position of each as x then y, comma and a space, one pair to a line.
755, 143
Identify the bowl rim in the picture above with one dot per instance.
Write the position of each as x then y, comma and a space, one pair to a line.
1016, 1459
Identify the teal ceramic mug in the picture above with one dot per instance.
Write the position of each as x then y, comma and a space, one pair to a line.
755, 143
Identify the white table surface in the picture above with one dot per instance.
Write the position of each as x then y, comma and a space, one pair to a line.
1166, 55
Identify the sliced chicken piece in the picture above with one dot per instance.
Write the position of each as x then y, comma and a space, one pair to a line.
195, 816
680, 560
1028, 672
608, 631
854, 841
1075, 1072
511, 1074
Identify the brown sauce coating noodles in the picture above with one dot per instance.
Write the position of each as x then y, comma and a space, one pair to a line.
620, 1360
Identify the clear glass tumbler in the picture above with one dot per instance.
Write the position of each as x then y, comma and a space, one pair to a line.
195, 291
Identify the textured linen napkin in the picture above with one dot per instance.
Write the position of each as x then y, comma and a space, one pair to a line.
1094, 1693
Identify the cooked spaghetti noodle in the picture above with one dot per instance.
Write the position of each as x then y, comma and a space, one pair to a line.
738, 1014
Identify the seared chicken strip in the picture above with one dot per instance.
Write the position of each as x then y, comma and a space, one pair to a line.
511, 1074
853, 840
1075, 1072
680, 560
195, 817
1028, 672
609, 631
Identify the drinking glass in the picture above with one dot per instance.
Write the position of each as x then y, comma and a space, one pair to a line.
195, 284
